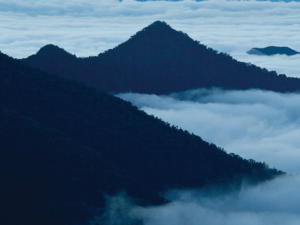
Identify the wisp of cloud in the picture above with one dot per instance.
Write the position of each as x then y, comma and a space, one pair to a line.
261, 125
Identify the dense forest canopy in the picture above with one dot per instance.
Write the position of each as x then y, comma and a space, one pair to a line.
64, 144
48, 178
160, 60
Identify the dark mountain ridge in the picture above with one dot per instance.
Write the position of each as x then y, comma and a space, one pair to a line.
48, 178
76, 139
161, 60
273, 50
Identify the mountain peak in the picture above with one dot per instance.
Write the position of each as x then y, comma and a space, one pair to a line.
158, 27
159, 24
51, 49
153, 41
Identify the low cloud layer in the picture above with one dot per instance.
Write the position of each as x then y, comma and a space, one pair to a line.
275, 202
88, 28
264, 126
282, 64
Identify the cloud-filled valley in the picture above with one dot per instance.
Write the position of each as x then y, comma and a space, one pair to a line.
88, 28
264, 126
275, 202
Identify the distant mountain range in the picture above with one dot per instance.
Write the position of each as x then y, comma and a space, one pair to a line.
273, 50
64, 146
159, 60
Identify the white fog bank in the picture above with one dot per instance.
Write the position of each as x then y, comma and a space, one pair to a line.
261, 125
275, 202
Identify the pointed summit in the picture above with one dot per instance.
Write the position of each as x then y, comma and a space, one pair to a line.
159, 28
152, 42
158, 25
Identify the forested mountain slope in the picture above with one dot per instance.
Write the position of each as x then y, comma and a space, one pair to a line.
76, 135
160, 60
48, 178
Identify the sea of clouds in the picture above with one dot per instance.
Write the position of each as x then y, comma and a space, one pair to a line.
261, 125
87, 28
255, 124
275, 202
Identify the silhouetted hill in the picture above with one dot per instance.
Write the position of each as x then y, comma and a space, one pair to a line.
161, 60
54, 51
55, 60
273, 50
48, 178
74, 135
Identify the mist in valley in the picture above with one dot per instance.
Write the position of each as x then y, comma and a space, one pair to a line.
255, 124
261, 125
274, 202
